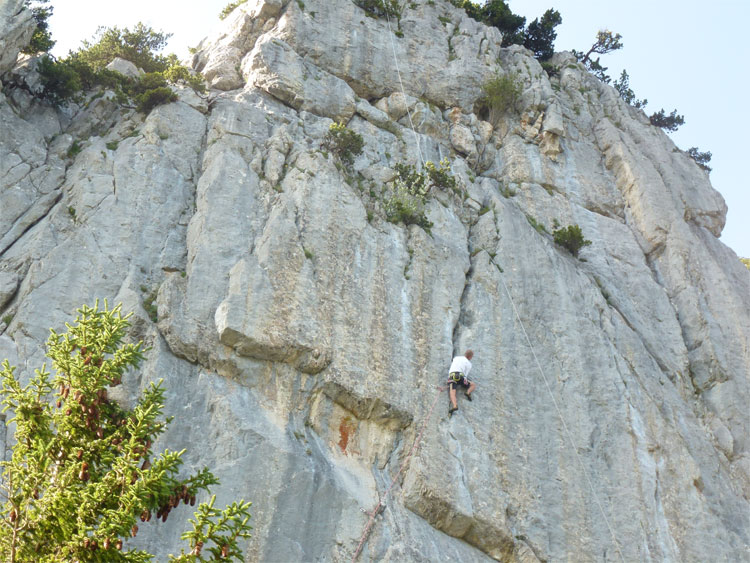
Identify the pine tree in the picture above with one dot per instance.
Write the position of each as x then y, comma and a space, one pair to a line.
626, 92
606, 42
41, 40
540, 36
498, 14
83, 472
701, 158
669, 122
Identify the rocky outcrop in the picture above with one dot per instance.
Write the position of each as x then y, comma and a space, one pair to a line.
302, 336
16, 28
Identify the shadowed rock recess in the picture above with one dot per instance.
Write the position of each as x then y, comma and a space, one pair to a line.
301, 335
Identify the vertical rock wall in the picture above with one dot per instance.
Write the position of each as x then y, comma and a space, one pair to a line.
302, 336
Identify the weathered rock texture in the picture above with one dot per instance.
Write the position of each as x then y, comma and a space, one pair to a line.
302, 336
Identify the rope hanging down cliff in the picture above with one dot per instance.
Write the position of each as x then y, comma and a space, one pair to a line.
569, 436
565, 426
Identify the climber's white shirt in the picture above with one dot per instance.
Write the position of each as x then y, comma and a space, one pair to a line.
460, 363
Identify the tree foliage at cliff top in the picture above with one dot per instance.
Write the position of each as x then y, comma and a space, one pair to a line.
83, 70
140, 46
83, 472
539, 37
41, 40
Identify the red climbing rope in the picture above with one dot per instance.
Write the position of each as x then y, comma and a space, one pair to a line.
371, 521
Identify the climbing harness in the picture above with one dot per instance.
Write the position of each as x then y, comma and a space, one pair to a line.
376, 510
456, 376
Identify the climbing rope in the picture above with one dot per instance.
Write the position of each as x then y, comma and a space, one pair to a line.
565, 426
374, 513
568, 434
395, 60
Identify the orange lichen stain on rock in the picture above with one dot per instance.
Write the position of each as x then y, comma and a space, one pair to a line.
346, 429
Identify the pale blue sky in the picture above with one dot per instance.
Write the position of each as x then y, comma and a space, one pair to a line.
686, 55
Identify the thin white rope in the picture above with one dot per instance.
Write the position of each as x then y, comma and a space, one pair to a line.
395, 60
515, 310
565, 426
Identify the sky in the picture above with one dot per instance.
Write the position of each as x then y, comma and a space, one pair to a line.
687, 55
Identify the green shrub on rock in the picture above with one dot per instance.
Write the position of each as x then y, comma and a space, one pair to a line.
571, 238
411, 188
176, 74
67, 79
343, 142
381, 8
155, 97
139, 46
416, 182
60, 81
407, 206
410, 191
501, 94
440, 177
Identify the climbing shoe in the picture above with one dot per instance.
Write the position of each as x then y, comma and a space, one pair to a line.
451, 410
468, 396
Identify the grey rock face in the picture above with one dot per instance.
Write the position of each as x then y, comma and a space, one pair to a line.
303, 337
16, 28
126, 68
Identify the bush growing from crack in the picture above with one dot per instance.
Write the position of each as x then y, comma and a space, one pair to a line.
74, 149
60, 81
441, 177
381, 8
148, 303
538, 227
155, 97
551, 69
571, 238
500, 95
343, 142
410, 191
407, 207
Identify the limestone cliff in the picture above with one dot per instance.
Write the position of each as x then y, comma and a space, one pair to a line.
301, 336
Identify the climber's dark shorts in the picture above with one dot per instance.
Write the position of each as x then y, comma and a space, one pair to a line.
463, 382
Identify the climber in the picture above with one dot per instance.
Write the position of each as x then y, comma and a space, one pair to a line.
458, 375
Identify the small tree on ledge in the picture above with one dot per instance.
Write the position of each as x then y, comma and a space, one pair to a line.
571, 238
701, 158
669, 122
82, 470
